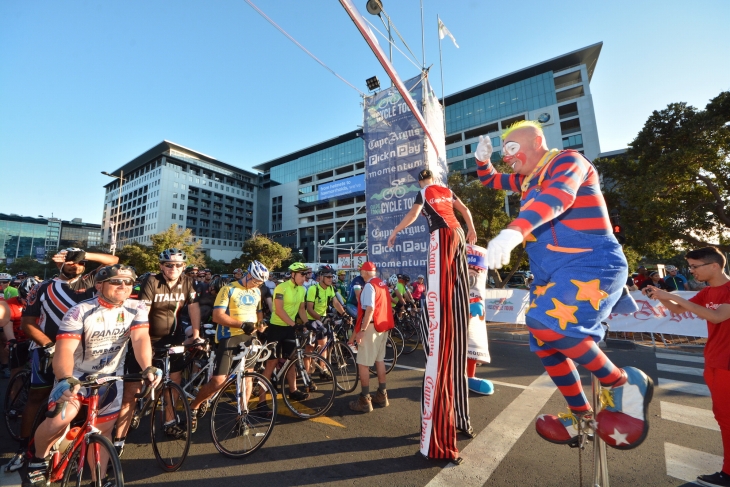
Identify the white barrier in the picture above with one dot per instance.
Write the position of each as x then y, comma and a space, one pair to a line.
510, 306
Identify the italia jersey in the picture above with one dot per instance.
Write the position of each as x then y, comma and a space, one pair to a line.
438, 207
164, 303
103, 331
49, 301
240, 303
570, 193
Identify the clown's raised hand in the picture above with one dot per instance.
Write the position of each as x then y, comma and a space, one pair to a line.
499, 248
484, 149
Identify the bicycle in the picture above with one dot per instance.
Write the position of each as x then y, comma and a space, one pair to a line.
169, 413
409, 329
16, 395
319, 394
68, 466
340, 356
244, 410
202, 356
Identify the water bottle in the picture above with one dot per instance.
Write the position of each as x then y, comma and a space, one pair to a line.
68, 438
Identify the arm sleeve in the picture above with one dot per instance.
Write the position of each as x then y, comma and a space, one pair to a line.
493, 179
33, 304
221, 301
563, 179
145, 291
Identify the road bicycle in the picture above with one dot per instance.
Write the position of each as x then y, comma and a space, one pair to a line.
408, 328
339, 355
70, 466
16, 394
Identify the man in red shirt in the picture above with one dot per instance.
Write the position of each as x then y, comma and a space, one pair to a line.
712, 304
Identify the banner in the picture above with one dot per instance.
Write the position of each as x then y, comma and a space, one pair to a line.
335, 189
506, 305
343, 261
395, 152
40, 253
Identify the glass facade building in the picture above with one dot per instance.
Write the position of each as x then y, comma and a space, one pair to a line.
22, 236
329, 158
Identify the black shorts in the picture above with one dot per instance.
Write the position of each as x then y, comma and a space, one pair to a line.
224, 353
20, 355
177, 362
284, 335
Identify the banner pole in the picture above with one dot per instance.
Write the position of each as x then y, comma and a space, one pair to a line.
441, 69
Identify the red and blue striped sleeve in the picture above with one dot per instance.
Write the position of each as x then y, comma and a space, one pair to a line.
493, 179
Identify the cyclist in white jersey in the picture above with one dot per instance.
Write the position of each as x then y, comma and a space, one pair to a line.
92, 340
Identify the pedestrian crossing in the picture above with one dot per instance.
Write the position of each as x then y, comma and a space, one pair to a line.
685, 463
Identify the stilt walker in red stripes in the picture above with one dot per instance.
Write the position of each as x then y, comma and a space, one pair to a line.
580, 275
444, 402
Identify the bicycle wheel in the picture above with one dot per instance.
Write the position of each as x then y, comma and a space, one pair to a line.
169, 428
411, 335
390, 357
239, 435
397, 337
344, 366
111, 474
16, 397
319, 390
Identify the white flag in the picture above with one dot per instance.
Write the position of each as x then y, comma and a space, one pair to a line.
443, 32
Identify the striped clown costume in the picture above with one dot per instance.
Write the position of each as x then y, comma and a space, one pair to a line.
579, 279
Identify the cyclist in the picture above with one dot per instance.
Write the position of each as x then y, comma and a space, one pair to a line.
341, 285
353, 293
71, 264
237, 310
288, 308
5, 279
397, 295
164, 294
5, 293
419, 290
11, 311
237, 273
319, 297
92, 339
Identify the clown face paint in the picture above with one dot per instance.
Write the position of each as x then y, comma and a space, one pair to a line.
512, 155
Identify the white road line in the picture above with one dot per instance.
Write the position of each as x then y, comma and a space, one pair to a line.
678, 369
484, 454
686, 464
681, 386
682, 358
689, 415
497, 382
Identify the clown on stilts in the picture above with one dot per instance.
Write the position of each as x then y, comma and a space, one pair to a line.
580, 274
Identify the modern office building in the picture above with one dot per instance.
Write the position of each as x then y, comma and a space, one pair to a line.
297, 206
24, 236
77, 233
173, 185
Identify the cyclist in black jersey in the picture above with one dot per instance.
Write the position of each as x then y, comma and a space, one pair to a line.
165, 294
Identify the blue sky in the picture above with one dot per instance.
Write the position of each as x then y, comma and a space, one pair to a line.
86, 86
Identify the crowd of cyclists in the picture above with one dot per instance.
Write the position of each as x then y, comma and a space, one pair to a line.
110, 327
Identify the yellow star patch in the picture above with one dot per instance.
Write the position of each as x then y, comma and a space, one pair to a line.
530, 238
541, 290
590, 291
532, 305
540, 343
563, 313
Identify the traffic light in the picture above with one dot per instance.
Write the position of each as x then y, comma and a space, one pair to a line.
618, 232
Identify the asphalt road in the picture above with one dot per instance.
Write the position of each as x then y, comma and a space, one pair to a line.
381, 448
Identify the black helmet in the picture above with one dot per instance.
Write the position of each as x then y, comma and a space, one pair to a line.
217, 284
114, 271
21, 275
406, 277
326, 270
26, 285
173, 255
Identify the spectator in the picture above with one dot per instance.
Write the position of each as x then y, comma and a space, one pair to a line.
675, 281
374, 320
712, 304
654, 280
642, 277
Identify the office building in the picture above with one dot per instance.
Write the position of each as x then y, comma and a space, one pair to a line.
172, 185
24, 236
77, 233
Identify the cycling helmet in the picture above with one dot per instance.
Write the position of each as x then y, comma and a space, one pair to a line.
144, 276
406, 277
75, 255
287, 275
21, 275
670, 268
299, 267
189, 269
217, 284
258, 271
359, 266
173, 255
420, 276
238, 271
114, 271
26, 285
393, 279
4, 276
326, 270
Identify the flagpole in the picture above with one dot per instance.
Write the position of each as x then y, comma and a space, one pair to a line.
423, 39
441, 69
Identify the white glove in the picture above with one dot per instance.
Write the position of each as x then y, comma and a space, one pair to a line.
484, 149
500, 247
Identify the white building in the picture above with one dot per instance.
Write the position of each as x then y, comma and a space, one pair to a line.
170, 184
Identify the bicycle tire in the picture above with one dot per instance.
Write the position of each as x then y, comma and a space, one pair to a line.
318, 401
14, 403
344, 365
226, 425
75, 475
397, 337
411, 335
390, 357
170, 449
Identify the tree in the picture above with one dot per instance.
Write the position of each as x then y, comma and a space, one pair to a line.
258, 247
32, 267
146, 259
672, 189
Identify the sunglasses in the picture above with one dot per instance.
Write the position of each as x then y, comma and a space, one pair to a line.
120, 282
328, 277
4, 283
171, 265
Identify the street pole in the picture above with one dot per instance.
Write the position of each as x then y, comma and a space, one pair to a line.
119, 207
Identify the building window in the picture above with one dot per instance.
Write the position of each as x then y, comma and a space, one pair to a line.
174, 205
182, 207
174, 216
174, 184
180, 218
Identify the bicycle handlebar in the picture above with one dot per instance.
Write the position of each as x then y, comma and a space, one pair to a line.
95, 382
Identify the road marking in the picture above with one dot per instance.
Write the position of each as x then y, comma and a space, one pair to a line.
678, 369
686, 464
681, 386
285, 411
484, 454
681, 358
689, 415
499, 383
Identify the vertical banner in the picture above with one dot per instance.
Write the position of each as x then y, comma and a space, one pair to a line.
396, 150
